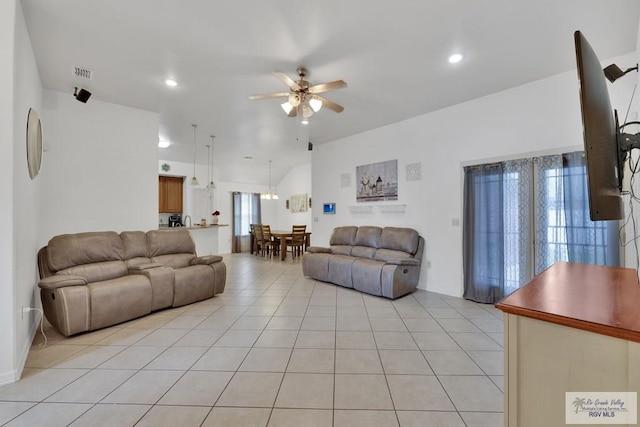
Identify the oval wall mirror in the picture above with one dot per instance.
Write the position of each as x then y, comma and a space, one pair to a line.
34, 143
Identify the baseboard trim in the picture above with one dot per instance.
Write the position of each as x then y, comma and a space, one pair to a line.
9, 377
16, 374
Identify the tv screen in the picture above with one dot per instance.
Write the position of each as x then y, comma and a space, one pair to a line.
604, 158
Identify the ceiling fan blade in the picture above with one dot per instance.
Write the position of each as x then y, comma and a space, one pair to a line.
269, 95
286, 80
330, 104
325, 87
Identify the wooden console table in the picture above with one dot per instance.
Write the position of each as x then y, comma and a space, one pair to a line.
574, 327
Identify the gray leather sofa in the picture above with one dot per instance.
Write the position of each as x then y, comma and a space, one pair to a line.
379, 261
98, 279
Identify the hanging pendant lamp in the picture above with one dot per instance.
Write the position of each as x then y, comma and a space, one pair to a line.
211, 185
194, 180
270, 195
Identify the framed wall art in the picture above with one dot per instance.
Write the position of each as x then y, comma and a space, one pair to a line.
299, 203
377, 181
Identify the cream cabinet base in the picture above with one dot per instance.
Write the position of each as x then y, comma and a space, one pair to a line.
544, 360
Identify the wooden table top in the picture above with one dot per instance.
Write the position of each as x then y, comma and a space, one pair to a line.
604, 300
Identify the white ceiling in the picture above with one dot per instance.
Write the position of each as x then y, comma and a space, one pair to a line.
393, 55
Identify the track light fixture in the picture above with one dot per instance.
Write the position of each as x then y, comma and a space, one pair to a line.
82, 95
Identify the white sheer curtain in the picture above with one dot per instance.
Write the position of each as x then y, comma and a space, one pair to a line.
517, 223
550, 243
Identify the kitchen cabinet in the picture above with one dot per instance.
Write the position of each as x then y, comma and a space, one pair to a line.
170, 194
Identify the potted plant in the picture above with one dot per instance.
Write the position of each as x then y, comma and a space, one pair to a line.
215, 215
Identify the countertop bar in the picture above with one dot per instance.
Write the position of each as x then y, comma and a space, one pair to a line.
195, 227
604, 300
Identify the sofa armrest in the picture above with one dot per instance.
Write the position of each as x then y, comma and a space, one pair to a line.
206, 260
318, 250
60, 281
403, 261
146, 266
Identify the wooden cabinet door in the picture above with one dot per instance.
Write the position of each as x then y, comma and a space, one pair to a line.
170, 194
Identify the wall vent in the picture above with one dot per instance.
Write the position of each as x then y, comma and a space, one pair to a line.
83, 73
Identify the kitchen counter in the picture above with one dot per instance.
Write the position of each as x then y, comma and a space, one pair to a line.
194, 227
205, 237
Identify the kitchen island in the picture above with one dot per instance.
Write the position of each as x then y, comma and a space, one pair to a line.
206, 238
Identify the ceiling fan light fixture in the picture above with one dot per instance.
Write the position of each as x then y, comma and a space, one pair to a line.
294, 99
315, 104
306, 111
287, 107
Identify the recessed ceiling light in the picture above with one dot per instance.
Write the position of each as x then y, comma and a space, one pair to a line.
455, 58
304, 121
163, 144
171, 83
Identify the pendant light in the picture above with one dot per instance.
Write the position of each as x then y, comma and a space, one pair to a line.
211, 185
208, 164
194, 180
270, 195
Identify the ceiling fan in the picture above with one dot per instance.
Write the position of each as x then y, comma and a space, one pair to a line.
303, 98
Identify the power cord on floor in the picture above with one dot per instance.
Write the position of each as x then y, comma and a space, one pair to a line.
27, 309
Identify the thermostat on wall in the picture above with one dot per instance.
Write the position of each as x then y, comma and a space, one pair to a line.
329, 208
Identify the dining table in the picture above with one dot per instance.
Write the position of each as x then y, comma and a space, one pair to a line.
282, 235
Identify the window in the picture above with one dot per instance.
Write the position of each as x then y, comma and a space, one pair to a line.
246, 211
521, 216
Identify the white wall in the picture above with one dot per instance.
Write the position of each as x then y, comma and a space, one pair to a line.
8, 371
297, 181
539, 116
100, 168
26, 203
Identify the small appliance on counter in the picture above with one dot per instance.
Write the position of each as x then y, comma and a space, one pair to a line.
175, 220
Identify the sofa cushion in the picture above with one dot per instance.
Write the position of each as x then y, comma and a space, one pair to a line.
341, 249
118, 300
175, 260
390, 255
98, 271
340, 270
192, 284
366, 274
368, 236
134, 244
363, 251
399, 239
69, 250
343, 236
162, 242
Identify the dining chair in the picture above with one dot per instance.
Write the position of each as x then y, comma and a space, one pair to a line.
257, 230
268, 247
297, 240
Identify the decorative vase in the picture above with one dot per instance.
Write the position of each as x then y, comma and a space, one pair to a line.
214, 219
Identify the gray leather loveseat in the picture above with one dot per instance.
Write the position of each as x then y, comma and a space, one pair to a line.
379, 261
98, 279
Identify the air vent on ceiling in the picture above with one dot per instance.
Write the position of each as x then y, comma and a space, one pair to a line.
82, 73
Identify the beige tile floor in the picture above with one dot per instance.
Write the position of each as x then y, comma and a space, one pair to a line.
276, 349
